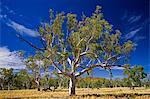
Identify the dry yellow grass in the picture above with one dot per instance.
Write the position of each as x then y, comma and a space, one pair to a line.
82, 93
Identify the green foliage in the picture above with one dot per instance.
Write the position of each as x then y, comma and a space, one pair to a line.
71, 21
69, 43
134, 75
57, 25
22, 80
7, 77
66, 37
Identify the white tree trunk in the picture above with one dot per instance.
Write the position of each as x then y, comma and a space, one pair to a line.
72, 86
60, 84
38, 85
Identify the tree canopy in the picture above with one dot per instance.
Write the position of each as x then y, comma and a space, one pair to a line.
74, 47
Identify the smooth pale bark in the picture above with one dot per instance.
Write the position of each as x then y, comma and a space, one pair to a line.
38, 84
72, 86
60, 84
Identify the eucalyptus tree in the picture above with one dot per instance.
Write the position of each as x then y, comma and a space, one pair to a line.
74, 47
34, 65
46, 74
7, 78
135, 75
1, 79
22, 80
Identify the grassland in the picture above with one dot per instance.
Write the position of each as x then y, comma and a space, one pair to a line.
85, 93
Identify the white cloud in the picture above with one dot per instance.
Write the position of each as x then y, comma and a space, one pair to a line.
133, 19
3, 16
130, 17
132, 26
138, 38
120, 68
9, 10
22, 29
14, 25
132, 33
9, 60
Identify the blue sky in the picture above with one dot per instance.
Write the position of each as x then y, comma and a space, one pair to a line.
131, 17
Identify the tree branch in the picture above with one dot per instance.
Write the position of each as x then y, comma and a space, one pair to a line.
111, 57
59, 70
103, 65
69, 61
42, 42
34, 46
88, 42
82, 54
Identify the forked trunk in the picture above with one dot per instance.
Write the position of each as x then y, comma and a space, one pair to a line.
72, 86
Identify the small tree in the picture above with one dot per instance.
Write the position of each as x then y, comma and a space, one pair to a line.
34, 65
75, 47
1, 79
22, 80
7, 77
134, 75
46, 75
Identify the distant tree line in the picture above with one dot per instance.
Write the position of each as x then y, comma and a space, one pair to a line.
10, 80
